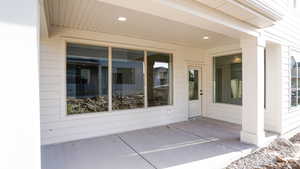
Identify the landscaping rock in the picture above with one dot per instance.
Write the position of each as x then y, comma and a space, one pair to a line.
280, 154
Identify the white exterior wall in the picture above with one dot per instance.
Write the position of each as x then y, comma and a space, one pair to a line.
279, 116
290, 118
286, 34
57, 127
291, 115
276, 78
19, 98
225, 112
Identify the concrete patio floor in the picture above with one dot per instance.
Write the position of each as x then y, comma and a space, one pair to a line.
200, 143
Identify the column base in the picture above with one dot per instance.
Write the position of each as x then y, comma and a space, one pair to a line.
258, 139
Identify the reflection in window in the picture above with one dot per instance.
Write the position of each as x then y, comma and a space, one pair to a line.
294, 81
87, 79
193, 84
159, 78
128, 79
124, 76
228, 79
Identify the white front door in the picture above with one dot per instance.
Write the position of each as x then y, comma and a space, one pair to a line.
195, 91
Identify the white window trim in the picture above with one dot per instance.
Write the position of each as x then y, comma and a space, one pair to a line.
292, 53
214, 83
110, 112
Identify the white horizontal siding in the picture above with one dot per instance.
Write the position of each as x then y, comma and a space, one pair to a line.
291, 117
286, 33
57, 127
225, 112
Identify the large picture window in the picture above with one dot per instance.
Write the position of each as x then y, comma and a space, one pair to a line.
228, 79
159, 79
128, 79
88, 79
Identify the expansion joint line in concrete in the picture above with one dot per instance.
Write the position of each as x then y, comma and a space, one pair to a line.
132, 148
201, 137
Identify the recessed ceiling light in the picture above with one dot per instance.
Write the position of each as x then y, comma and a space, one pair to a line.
205, 37
122, 19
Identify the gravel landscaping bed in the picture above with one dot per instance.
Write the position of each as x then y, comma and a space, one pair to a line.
280, 154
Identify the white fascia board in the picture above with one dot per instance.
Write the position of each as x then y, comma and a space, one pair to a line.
273, 10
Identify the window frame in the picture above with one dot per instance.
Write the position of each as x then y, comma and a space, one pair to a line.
214, 74
111, 81
64, 85
171, 86
292, 52
297, 107
110, 46
290, 84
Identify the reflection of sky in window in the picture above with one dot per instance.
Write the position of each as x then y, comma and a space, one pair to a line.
161, 64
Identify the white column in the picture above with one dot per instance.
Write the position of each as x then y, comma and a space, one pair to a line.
19, 84
273, 87
253, 90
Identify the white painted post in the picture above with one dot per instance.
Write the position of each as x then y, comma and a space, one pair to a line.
19, 84
253, 91
273, 87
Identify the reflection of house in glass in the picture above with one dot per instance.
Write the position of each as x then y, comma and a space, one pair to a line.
158, 70
228, 79
295, 81
82, 77
160, 75
87, 83
127, 79
88, 79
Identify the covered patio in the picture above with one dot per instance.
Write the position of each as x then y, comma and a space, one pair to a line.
111, 74
174, 71
195, 143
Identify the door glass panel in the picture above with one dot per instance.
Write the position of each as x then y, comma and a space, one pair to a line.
193, 85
